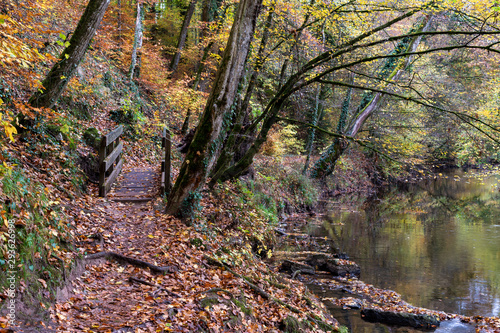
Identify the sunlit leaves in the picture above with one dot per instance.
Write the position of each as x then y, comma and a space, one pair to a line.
6, 122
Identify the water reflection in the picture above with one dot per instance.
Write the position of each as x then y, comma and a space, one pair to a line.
437, 242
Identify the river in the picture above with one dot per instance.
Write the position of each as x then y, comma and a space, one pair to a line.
436, 242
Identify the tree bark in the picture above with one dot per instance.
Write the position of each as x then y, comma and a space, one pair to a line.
60, 74
235, 139
206, 142
135, 63
183, 36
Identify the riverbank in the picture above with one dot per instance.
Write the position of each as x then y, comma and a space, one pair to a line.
433, 242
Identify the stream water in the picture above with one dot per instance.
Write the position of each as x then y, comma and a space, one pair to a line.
437, 243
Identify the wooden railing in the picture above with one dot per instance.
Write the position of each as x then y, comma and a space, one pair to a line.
110, 161
166, 144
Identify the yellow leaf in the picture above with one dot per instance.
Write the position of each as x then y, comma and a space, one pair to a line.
9, 130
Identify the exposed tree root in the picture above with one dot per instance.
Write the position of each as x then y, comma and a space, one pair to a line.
216, 290
312, 317
132, 279
131, 261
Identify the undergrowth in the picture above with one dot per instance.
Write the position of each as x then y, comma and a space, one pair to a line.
41, 238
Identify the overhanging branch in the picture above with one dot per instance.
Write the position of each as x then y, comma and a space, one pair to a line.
340, 136
459, 115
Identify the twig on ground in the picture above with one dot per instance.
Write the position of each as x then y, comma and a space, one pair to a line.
140, 281
131, 261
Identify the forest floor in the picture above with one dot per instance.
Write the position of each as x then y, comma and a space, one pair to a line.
193, 293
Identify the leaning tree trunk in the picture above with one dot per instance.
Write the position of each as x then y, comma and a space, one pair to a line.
135, 63
182, 36
315, 116
370, 103
203, 149
60, 74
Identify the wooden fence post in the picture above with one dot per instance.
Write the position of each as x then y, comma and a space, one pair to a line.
166, 144
110, 161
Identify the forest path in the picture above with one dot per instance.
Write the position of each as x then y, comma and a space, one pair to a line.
136, 185
115, 293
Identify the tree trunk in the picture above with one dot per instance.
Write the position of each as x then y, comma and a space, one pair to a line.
370, 103
209, 14
234, 140
185, 124
65, 67
317, 111
135, 64
182, 36
206, 52
328, 159
259, 63
314, 121
203, 149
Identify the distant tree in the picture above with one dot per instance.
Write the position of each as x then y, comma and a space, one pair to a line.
135, 63
64, 69
183, 35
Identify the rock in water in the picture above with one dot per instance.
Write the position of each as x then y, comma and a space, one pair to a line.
338, 267
400, 318
293, 266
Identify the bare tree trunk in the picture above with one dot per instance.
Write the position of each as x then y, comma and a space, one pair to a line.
135, 64
312, 131
65, 67
203, 149
183, 35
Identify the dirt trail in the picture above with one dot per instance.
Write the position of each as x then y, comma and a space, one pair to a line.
194, 295
108, 295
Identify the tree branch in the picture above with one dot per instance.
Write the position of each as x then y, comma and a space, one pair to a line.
341, 136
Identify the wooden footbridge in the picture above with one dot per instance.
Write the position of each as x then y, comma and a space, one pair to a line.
138, 185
